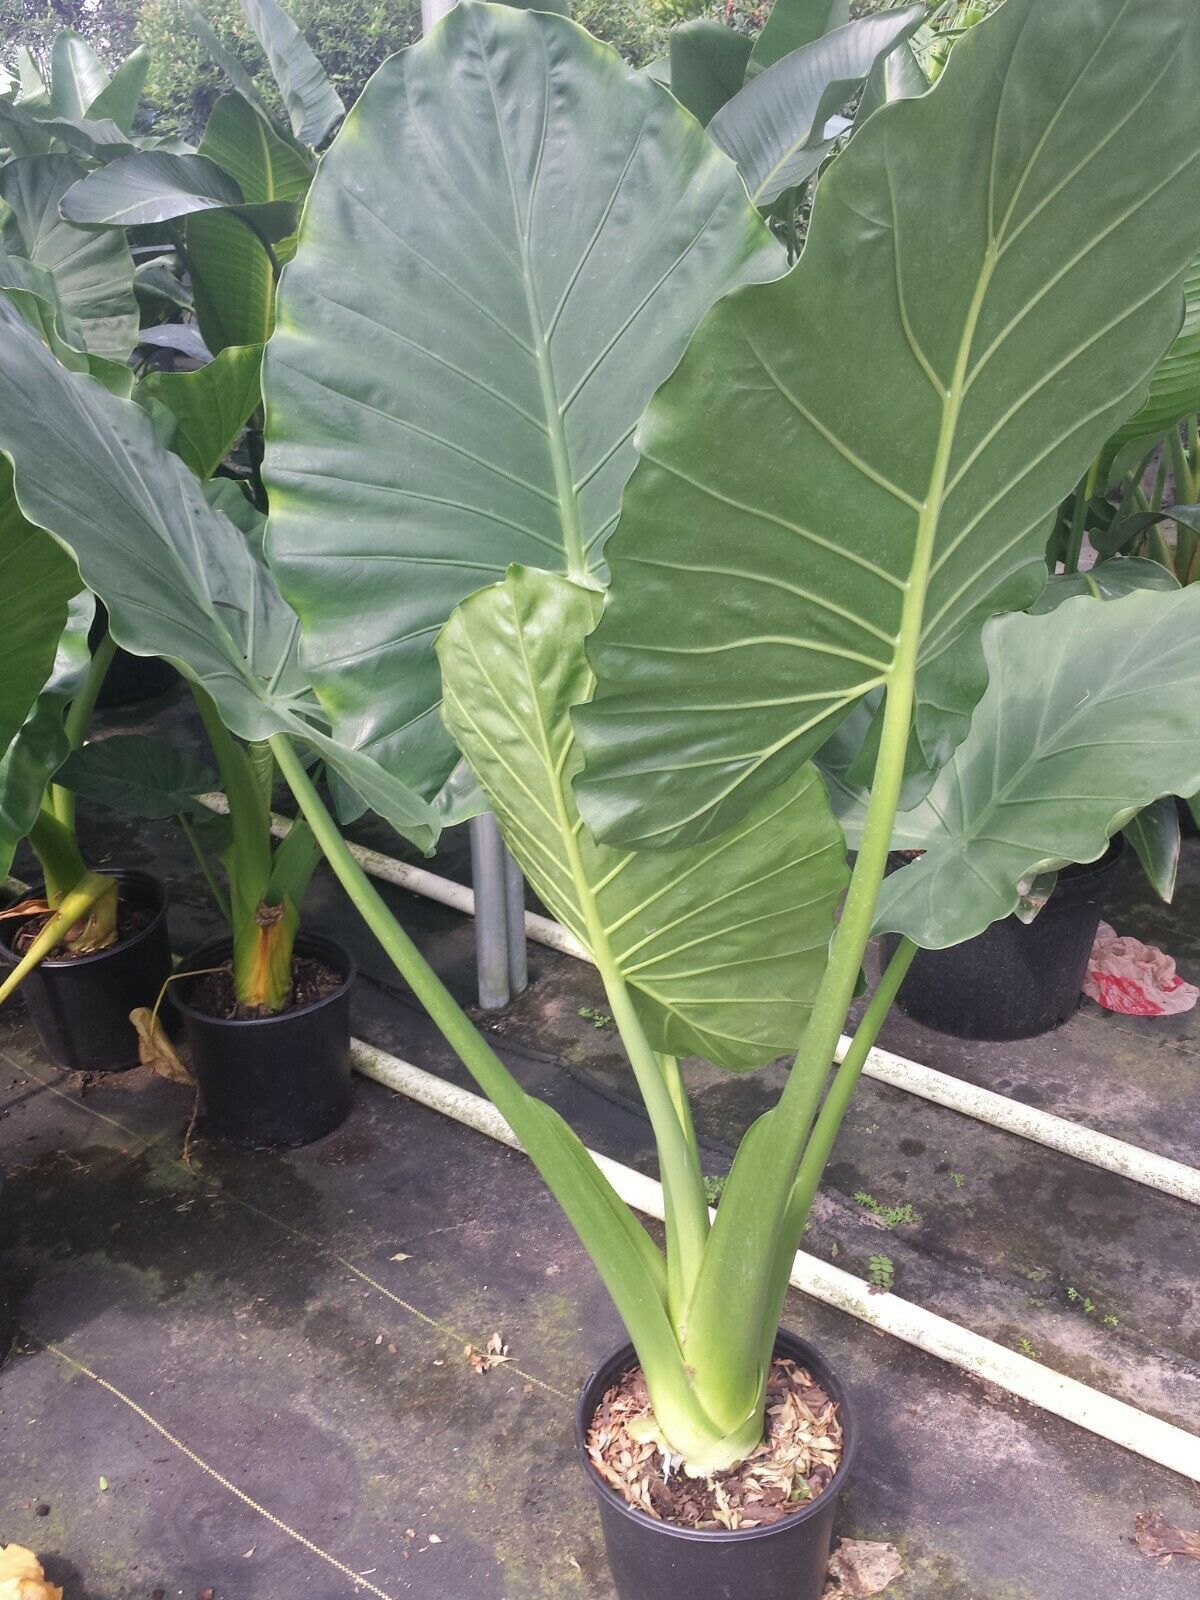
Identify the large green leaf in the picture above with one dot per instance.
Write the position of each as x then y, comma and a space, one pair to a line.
140, 775
312, 103
992, 273
1156, 837
155, 186
1091, 712
93, 272
37, 580
776, 127
178, 579
26, 134
77, 75
122, 94
39, 747
264, 166
467, 336
707, 65
1175, 387
233, 283
722, 946
210, 405
794, 23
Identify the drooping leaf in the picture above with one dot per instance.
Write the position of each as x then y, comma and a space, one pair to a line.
1175, 386
77, 75
232, 280
776, 128
210, 405
1107, 580
155, 186
30, 135
178, 579
39, 747
158, 280
1155, 835
37, 580
184, 337
1091, 713
900, 416
93, 272
707, 65
264, 166
756, 906
794, 23
460, 360
122, 94
140, 775
313, 105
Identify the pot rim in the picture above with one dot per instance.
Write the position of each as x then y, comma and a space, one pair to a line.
322, 945
786, 1343
158, 899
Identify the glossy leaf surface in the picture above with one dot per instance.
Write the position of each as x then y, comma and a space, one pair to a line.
466, 338
723, 945
902, 414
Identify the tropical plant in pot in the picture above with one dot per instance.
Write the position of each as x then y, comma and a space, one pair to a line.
846, 483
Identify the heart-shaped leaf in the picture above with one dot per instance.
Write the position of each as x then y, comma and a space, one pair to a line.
139, 775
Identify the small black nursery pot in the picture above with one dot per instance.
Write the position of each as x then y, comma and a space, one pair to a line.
278, 1080
1016, 979
80, 1005
653, 1560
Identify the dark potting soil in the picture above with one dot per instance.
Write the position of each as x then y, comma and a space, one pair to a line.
132, 918
312, 980
796, 1461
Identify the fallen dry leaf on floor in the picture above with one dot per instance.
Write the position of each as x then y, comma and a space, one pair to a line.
862, 1567
22, 1578
483, 1361
155, 1050
1160, 1539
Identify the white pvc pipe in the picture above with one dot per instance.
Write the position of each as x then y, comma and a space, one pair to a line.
1101, 1414
955, 1094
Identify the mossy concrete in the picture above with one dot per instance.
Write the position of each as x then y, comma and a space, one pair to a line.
296, 1322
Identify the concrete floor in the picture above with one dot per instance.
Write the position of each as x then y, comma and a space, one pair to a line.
274, 1400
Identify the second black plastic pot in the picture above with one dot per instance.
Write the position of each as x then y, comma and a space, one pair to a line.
81, 1006
282, 1080
1016, 979
653, 1560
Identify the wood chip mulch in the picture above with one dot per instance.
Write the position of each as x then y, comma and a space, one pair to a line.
795, 1462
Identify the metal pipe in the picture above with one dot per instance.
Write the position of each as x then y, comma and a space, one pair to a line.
514, 906
491, 913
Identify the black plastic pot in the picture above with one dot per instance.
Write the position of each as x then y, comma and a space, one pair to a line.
81, 1007
282, 1080
652, 1560
1017, 979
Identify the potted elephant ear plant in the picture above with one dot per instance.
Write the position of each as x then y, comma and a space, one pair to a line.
851, 470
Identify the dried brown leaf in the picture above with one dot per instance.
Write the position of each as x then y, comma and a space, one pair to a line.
155, 1050
1160, 1539
862, 1567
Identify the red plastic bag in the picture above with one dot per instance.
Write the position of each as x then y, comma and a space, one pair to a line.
1135, 979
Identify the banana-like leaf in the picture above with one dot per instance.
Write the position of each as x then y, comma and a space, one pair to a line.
265, 166
210, 406
992, 273
776, 127
38, 580
122, 94
707, 65
77, 75
139, 775
32, 84
1091, 713
898, 76
39, 747
1107, 580
178, 579
1155, 835
155, 186
1175, 387
794, 23
93, 272
312, 103
232, 280
721, 946
30, 135
467, 336
229, 63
